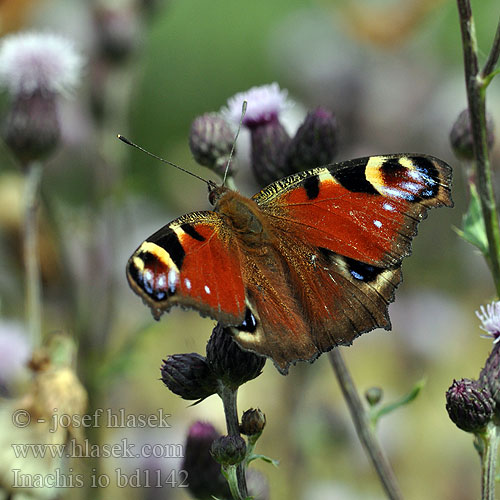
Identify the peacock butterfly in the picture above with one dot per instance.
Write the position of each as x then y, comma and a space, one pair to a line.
308, 263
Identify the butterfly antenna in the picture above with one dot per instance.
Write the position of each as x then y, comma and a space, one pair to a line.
130, 143
243, 112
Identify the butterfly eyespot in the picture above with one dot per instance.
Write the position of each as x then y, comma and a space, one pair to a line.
249, 323
361, 271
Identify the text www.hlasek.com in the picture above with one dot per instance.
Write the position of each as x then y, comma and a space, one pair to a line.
74, 449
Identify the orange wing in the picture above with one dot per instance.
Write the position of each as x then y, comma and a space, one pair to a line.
193, 261
365, 209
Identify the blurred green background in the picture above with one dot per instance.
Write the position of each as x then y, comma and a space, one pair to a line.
392, 73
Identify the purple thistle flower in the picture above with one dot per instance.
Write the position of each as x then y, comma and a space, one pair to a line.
265, 104
39, 62
269, 137
36, 69
490, 319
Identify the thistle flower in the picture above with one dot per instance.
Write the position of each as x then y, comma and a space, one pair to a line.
204, 473
315, 142
490, 374
211, 139
117, 30
490, 320
189, 376
39, 62
264, 104
36, 69
469, 405
228, 450
269, 138
253, 422
229, 362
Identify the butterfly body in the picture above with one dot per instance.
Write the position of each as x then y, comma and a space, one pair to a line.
309, 263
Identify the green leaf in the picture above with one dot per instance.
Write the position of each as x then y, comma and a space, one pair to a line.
473, 224
263, 457
376, 413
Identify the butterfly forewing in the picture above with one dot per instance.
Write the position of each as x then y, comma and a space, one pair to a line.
365, 209
193, 261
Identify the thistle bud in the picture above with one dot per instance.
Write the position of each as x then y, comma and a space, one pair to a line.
315, 142
211, 140
373, 395
229, 362
252, 422
189, 376
117, 31
469, 405
203, 472
229, 450
461, 135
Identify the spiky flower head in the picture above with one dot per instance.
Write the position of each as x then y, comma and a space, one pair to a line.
204, 473
232, 365
229, 450
269, 137
490, 320
470, 406
36, 68
189, 376
39, 62
490, 374
253, 422
264, 104
211, 140
315, 143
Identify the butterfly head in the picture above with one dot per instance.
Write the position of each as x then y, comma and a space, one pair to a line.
215, 192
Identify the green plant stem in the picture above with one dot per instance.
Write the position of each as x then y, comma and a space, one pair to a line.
33, 289
364, 430
229, 397
491, 62
489, 449
476, 86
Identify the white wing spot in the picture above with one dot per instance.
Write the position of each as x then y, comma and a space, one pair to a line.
377, 223
161, 281
389, 207
207, 290
173, 279
187, 283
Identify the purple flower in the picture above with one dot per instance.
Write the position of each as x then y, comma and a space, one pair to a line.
490, 319
14, 351
36, 69
268, 136
264, 104
39, 62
